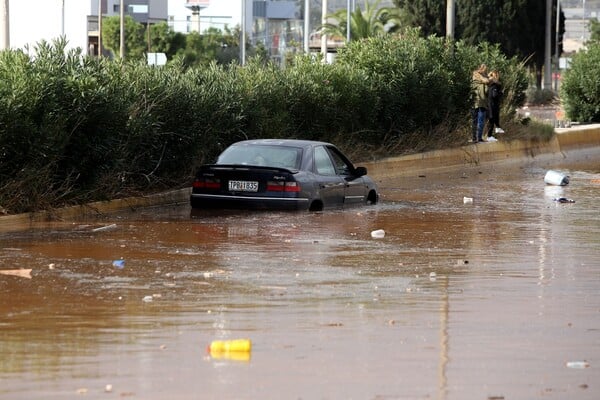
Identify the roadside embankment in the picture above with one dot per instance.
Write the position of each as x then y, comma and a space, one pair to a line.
575, 144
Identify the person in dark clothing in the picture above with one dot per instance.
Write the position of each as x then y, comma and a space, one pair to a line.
479, 85
494, 99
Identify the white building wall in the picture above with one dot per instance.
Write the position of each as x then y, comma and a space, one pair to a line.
32, 21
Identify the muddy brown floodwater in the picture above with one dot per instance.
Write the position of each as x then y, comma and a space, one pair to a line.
494, 299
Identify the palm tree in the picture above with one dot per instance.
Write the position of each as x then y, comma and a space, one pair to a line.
373, 21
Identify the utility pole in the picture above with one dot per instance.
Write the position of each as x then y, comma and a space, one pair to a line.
62, 17
122, 30
243, 35
4, 25
556, 47
348, 16
306, 25
99, 28
323, 34
548, 47
583, 24
450, 12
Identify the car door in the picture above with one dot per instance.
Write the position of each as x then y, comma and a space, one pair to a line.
331, 185
354, 186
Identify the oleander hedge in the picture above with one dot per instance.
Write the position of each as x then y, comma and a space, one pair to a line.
76, 129
580, 88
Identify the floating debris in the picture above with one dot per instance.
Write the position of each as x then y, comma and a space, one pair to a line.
556, 178
378, 234
577, 364
237, 345
105, 228
236, 349
22, 273
564, 200
120, 264
467, 200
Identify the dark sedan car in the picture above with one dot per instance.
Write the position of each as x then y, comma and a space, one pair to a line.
282, 174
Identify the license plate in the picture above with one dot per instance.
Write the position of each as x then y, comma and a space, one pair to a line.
243, 186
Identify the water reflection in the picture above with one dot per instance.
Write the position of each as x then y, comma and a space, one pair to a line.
444, 306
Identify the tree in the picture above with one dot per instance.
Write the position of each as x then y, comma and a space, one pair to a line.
135, 43
429, 15
594, 30
212, 45
164, 40
372, 21
518, 26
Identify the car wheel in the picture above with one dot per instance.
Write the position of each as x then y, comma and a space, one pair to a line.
195, 203
373, 197
316, 205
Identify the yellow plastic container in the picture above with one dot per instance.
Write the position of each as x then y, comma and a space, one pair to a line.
234, 346
231, 355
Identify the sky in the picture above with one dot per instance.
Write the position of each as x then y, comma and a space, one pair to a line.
34, 20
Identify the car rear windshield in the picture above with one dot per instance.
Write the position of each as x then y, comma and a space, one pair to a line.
263, 155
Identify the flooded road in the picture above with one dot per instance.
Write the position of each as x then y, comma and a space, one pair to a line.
494, 299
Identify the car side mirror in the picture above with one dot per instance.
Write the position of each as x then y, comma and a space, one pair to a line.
360, 171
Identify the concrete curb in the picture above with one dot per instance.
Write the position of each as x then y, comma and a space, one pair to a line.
95, 210
567, 141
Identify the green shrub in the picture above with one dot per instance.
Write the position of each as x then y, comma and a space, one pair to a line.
423, 83
75, 129
580, 88
538, 96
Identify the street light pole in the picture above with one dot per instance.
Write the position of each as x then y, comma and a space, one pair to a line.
548, 47
306, 25
348, 16
243, 35
62, 17
323, 34
450, 12
99, 28
556, 47
122, 30
583, 17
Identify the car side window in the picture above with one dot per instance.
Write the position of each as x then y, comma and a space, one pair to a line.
341, 165
323, 163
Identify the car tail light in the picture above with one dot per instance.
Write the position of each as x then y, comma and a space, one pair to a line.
281, 186
207, 183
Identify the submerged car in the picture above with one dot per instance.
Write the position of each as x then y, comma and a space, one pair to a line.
282, 174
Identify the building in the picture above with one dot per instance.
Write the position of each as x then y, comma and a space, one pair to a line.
187, 16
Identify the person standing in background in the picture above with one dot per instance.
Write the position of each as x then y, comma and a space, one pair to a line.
494, 99
479, 85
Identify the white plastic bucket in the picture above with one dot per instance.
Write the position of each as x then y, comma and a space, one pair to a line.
556, 178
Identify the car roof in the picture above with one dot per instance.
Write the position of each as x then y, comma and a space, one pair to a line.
283, 142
